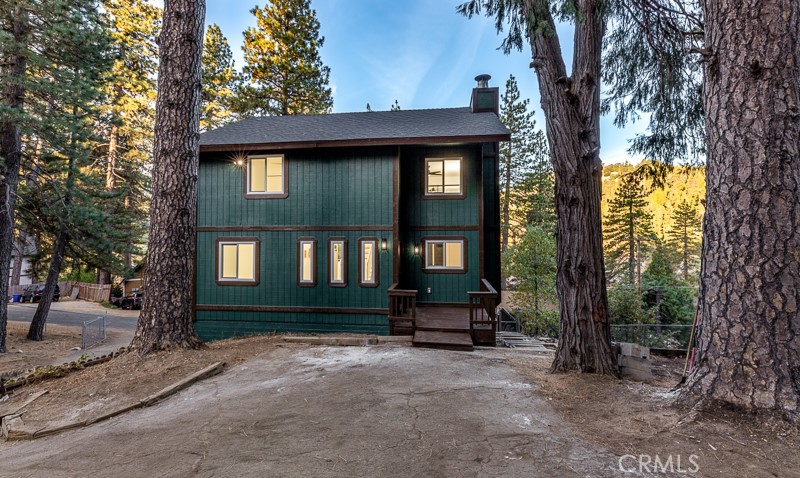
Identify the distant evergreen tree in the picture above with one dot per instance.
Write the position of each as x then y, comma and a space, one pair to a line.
282, 63
685, 234
670, 300
128, 123
69, 57
220, 80
628, 221
532, 265
527, 193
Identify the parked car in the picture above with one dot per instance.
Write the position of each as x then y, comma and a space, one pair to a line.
34, 292
134, 302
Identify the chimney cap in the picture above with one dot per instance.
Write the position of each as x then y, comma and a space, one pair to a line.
483, 80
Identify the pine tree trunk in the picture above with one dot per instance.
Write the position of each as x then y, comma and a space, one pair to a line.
166, 319
36, 330
572, 109
10, 154
748, 348
104, 276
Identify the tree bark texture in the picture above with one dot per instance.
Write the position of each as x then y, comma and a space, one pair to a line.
166, 319
10, 155
36, 329
748, 347
571, 105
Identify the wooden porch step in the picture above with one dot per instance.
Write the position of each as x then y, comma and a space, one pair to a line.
443, 340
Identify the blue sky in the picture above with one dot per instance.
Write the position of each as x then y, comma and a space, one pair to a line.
419, 52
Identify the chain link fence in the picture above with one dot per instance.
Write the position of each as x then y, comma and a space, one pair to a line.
655, 336
93, 333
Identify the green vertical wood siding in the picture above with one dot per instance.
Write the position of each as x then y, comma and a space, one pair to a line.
326, 187
416, 210
278, 273
338, 187
451, 288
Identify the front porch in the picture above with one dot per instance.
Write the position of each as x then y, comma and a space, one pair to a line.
451, 327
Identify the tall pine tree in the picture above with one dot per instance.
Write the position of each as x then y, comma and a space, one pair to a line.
71, 56
128, 122
220, 80
173, 216
684, 235
524, 165
628, 227
282, 63
15, 27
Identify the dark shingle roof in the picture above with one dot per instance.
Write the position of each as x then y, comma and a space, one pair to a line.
379, 127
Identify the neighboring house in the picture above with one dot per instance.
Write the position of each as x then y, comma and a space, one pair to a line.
134, 284
304, 223
22, 254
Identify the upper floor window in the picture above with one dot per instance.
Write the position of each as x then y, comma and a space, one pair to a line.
337, 262
444, 177
307, 262
368, 262
446, 254
237, 260
266, 177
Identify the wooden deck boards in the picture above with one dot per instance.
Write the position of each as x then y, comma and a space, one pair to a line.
443, 340
443, 319
443, 328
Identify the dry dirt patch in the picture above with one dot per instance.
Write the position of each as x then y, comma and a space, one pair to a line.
99, 389
634, 418
24, 354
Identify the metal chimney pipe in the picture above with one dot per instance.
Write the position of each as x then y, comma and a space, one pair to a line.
483, 80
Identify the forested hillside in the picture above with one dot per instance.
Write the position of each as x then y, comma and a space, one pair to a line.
681, 183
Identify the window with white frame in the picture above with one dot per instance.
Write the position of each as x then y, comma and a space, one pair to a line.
445, 254
237, 261
368, 262
266, 176
443, 177
307, 262
337, 262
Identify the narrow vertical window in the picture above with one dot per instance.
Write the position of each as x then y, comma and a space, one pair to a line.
237, 261
443, 177
307, 262
265, 177
368, 262
337, 262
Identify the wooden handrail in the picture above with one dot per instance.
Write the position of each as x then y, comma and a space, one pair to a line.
483, 312
402, 309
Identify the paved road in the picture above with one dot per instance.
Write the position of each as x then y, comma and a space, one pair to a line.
74, 313
326, 411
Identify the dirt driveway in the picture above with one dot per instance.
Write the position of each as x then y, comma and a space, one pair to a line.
322, 411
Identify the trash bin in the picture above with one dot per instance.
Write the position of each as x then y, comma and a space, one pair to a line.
16, 297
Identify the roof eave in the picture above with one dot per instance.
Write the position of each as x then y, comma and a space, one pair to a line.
210, 148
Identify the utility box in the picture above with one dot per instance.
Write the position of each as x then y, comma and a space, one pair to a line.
634, 361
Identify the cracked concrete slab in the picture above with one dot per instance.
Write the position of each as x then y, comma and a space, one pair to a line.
333, 411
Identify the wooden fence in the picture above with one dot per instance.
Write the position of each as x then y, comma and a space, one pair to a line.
90, 292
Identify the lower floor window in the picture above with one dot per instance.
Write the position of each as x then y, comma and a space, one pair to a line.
445, 254
237, 261
368, 262
337, 262
307, 262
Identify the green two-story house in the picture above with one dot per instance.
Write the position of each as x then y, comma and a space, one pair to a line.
310, 223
